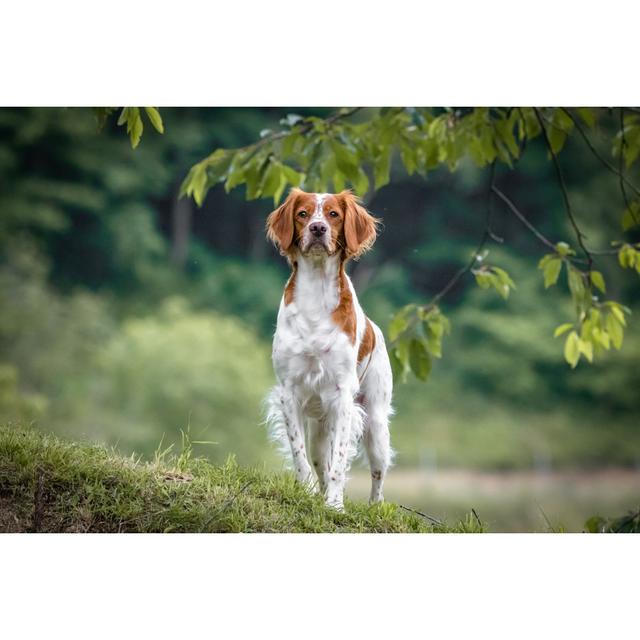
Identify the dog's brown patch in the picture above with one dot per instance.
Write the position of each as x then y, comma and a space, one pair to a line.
368, 341
344, 315
291, 286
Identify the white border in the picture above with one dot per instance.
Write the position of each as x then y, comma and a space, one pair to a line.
333, 52
319, 586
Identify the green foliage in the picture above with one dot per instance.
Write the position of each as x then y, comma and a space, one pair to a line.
629, 523
507, 401
416, 337
599, 325
629, 256
631, 216
335, 152
132, 118
169, 370
627, 140
489, 276
85, 488
130, 381
16, 404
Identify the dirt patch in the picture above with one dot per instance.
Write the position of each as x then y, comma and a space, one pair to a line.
10, 521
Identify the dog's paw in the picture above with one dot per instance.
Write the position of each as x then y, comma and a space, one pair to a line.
335, 502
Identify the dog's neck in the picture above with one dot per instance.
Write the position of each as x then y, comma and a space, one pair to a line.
317, 282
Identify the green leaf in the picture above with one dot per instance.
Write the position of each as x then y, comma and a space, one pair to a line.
601, 337
399, 323
587, 115
586, 348
131, 116
483, 279
564, 249
346, 159
235, 175
382, 167
397, 367
618, 311
360, 183
102, 114
551, 271
505, 131
572, 349
122, 118
576, 284
400, 361
597, 280
419, 360
557, 131
627, 256
504, 277
271, 180
631, 216
615, 330
154, 116
277, 194
563, 328
294, 177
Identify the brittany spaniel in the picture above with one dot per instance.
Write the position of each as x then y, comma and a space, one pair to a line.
333, 374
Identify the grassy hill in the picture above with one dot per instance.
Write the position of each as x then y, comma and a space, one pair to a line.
49, 485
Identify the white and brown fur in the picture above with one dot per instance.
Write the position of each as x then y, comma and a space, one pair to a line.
334, 379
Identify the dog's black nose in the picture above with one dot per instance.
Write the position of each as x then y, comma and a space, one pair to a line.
318, 229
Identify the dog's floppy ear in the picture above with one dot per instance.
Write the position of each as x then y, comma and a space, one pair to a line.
280, 223
359, 225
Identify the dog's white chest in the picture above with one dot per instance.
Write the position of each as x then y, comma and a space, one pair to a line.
311, 352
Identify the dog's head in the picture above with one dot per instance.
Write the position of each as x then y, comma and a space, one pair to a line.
322, 223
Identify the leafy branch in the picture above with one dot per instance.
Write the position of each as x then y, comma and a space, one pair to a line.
331, 153
132, 118
563, 187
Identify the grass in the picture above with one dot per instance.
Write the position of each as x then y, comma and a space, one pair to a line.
51, 485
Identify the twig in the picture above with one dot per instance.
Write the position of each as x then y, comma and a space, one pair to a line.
523, 219
477, 517
548, 243
420, 513
565, 196
303, 127
227, 503
623, 144
603, 160
492, 180
486, 235
544, 515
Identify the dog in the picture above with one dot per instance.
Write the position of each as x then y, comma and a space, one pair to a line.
334, 380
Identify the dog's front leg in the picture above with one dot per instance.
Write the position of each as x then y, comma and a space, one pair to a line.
339, 424
292, 414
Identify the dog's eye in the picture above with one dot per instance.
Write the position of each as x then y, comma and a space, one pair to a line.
333, 214
302, 214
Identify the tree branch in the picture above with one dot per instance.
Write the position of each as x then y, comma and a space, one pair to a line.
548, 243
603, 160
623, 144
486, 235
565, 196
523, 219
304, 127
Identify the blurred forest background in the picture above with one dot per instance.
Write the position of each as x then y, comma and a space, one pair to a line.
128, 315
